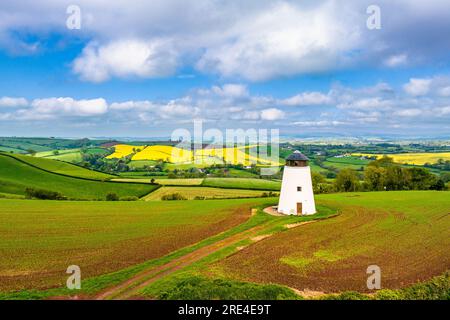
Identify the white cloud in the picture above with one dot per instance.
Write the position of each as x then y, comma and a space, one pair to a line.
444, 92
307, 99
396, 60
69, 107
413, 112
133, 105
126, 58
231, 90
255, 39
322, 123
9, 102
417, 87
272, 114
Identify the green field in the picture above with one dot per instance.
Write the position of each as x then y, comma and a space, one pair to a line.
40, 239
191, 193
139, 164
63, 168
354, 163
242, 183
16, 176
405, 233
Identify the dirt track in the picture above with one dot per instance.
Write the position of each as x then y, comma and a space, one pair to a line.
129, 288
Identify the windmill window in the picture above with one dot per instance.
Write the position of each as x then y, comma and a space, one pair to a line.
299, 189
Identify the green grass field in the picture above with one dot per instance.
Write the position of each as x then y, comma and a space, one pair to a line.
405, 233
63, 168
191, 193
242, 183
354, 163
16, 176
40, 239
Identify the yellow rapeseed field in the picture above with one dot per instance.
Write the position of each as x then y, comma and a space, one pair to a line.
165, 153
123, 150
412, 158
236, 155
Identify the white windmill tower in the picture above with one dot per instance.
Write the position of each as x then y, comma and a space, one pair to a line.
297, 196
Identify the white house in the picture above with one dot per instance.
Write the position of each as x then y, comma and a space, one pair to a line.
297, 196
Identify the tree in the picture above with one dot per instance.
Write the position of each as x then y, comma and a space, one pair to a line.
31, 152
395, 178
112, 197
347, 181
374, 178
385, 161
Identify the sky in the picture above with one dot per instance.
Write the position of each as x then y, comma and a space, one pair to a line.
98, 68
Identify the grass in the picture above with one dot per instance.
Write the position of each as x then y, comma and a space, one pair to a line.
191, 193
63, 168
242, 183
201, 288
402, 232
41, 238
141, 163
16, 176
354, 163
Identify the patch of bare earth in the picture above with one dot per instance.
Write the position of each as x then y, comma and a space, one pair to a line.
333, 255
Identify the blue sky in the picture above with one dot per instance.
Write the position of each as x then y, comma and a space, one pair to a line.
145, 68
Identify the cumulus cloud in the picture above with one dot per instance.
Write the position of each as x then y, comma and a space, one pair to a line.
255, 39
69, 106
272, 114
417, 87
126, 58
8, 102
307, 99
396, 60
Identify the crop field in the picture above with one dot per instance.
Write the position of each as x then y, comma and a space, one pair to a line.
175, 155
414, 158
16, 176
403, 233
242, 183
40, 239
63, 168
346, 162
191, 193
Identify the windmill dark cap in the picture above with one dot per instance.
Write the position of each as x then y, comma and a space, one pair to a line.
297, 156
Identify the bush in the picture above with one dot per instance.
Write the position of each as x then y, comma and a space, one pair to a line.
43, 194
199, 288
199, 198
131, 198
112, 197
173, 197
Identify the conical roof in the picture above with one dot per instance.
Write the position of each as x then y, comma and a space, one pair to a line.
297, 155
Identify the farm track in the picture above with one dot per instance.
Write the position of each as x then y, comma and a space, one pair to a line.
130, 288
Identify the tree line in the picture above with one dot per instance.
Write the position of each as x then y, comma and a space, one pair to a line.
381, 175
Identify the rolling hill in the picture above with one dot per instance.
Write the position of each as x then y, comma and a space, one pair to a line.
17, 175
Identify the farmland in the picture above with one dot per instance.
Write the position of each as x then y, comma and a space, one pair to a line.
175, 155
414, 158
192, 193
398, 231
16, 176
242, 183
63, 168
41, 238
